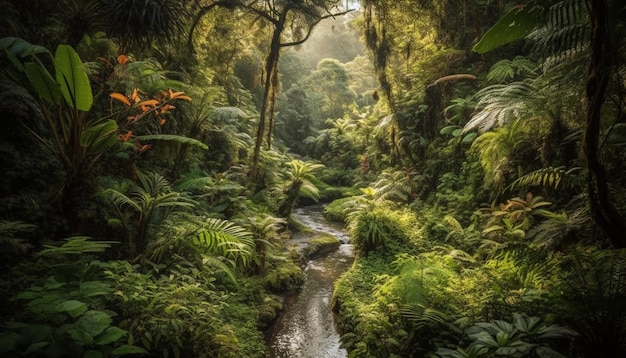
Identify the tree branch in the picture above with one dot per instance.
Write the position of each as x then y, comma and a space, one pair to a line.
311, 27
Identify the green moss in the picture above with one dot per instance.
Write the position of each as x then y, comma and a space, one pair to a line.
295, 225
283, 275
321, 244
335, 210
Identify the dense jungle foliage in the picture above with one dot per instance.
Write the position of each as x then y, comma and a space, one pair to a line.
153, 151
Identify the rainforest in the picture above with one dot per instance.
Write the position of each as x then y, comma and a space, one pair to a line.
439, 178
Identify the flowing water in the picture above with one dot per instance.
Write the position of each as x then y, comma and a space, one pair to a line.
306, 327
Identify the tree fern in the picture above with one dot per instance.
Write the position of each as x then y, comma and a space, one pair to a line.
226, 115
151, 202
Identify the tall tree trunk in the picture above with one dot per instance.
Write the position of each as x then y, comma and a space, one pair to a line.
271, 63
604, 213
272, 105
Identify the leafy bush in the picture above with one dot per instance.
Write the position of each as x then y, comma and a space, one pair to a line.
381, 229
66, 318
524, 337
177, 311
283, 275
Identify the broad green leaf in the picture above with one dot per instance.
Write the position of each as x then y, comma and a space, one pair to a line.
94, 322
101, 137
172, 137
36, 347
514, 25
80, 336
18, 47
110, 335
449, 129
43, 83
28, 295
71, 75
7, 42
94, 288
468, 138
127, 349
68, 306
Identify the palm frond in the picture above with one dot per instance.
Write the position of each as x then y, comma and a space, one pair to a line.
141, 22
119, 200
423, 317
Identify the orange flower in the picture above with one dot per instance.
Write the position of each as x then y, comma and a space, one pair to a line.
120, 97
166, 108
126, 137
122, 59
135, 97
142, 147
178, 95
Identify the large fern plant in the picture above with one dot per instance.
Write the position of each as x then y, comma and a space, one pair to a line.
140, 212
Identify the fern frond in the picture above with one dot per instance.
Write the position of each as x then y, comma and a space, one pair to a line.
120, 200
424, 317
225, 238
547, 177
501, 104
564, 36
227, 114
75, 246
505, 70
172, 137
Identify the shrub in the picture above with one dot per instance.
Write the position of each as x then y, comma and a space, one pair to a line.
283, 275
382, 229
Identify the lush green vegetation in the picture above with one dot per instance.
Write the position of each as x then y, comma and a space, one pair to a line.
151, 160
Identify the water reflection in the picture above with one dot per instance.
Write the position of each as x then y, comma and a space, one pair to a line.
306, 328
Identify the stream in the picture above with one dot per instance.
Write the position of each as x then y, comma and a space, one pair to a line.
306, 327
